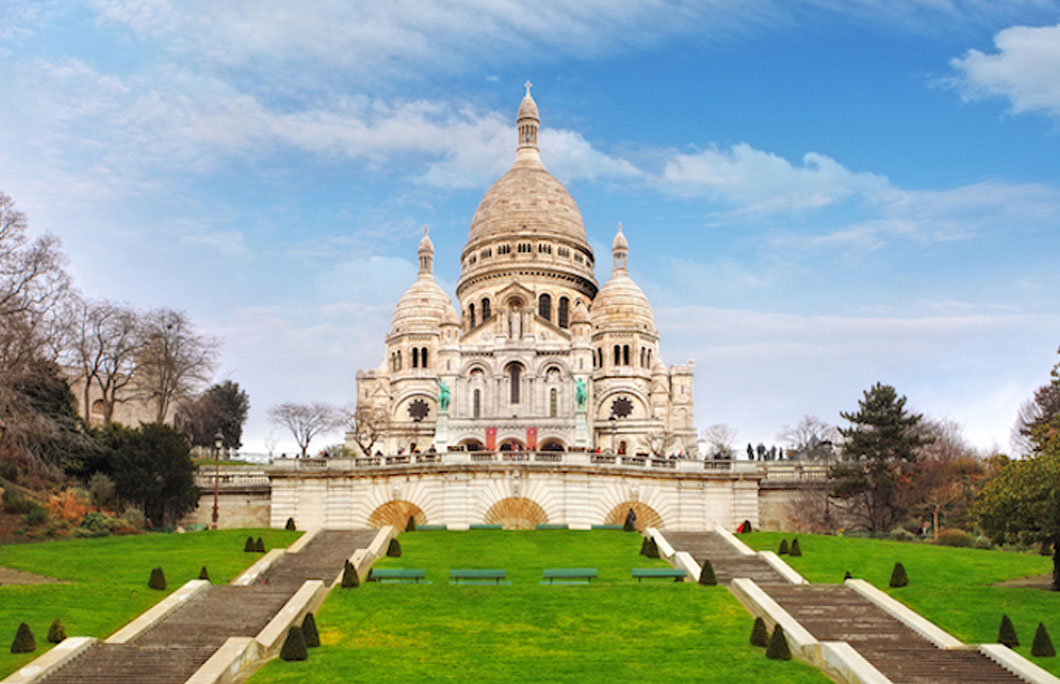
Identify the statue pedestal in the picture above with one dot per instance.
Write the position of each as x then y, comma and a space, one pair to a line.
581, 429
441, 433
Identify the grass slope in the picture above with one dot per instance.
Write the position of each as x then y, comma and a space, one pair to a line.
611, 630
108, 580
949, 586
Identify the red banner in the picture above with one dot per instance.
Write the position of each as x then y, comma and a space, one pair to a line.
491, 439
531, 439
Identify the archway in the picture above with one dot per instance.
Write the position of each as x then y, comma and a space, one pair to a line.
512, 444
551, 445
646, 515
516, 513
397, 513
471, 445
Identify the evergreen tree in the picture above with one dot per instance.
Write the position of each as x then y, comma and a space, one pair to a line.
56, 632
1006, 634
24, 641
394, 549
706, 574
759, 633
350, 579
309, 631
795, 550
898, 576
290, 524
203, 574
783, 550
158, 579
294, 645
1043, 645
880, 447
778, 645
249, 546
259, 546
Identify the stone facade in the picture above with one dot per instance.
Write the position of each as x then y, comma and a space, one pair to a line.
532, 328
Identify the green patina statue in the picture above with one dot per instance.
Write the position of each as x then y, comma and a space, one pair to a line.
581, 395
443, 394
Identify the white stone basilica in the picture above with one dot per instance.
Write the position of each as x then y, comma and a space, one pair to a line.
538, 358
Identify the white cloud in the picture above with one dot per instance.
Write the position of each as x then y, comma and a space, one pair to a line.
1025, 70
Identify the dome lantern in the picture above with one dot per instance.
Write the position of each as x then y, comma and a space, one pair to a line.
426, 253
527, 122
620, 251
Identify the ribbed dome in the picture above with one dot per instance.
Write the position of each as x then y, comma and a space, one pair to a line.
422, 307
622, 305
528, 108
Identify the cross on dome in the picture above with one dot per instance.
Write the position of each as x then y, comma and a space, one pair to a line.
528, 85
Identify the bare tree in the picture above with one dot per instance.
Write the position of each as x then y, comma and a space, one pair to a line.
660, 440
720, 438
365, 424
108, 342
174, 362
810, 439
949, 474
305, 421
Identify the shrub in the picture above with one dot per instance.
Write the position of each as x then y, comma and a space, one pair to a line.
652, 550
644, 546
954, 537
847, 576
101, 523
410, 526
134, 517
56, 632
898, 576
158, 579
24, 641
902, 534
394, 550
745, 527
795, 550
349, 577
759, 633
259, 546
1006, 634
294, 645
309, 631
778, 645
629, 525
706, 574
70, 505
290, 524
982, 542
37, 515
15, 501
1043, 645
203, 574
783, 550
249, 546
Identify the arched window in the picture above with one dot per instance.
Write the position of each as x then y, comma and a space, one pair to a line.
599, 357
553, 403
476, 404
415, 357
649, 358
398, 360
515, 371
625, 355
618, 355
423, 357
485, 309
642, 357
471, 313
544, 307
564, 312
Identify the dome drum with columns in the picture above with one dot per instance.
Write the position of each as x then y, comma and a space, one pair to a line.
532, 325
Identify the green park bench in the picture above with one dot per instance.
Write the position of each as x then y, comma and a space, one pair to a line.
607, 527
478, 576
552, 526
397, 575
484, 526
430, 528
659, 573
568, 575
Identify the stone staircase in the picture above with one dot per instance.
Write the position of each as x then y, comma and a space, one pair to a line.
172, 650
834, 612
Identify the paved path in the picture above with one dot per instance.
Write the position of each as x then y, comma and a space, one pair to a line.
834, 612
172, 650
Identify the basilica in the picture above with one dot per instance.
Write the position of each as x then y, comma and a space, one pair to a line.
538, 357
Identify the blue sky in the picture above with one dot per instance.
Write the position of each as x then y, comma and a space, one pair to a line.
817, 195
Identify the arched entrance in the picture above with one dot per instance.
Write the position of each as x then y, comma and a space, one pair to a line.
646, 515
397, 513
551, 445
512, 445
471, 445
516, 513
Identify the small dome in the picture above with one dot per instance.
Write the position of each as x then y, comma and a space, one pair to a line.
619, 242
622, 305
658, 368
425, 244
527, 109
422, 308
581, 315
450, 316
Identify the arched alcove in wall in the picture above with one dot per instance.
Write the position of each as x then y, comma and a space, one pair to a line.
646, 515
397, 513
516, 513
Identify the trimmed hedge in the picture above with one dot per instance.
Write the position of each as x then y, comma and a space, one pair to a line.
290, 524
56, 632
350, 579
783, 550
1006, 633
778, 645
24, 641
706, 574
394, 550
203, 574
158, 579
309, 631
898, 576
294, 645
795, 551
410, 526
259, 546
1043, 645
759, 633
248, 547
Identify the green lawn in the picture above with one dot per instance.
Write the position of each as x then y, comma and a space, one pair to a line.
108, 580
613, 629
949, 586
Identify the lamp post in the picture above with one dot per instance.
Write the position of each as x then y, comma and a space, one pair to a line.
827, 444
614, 429
218, 442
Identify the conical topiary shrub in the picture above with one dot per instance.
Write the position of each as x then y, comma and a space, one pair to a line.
629, 525
394, 550
24, 641
56, 632
1006, 634
349, 577
778, 645
158, 579
745, 527
290, 524
653, 549
1043, 645
259, 545
203, 574
294, 645
847, 576
759, 633
706, 574
249, 546
783, 547
410, 526
644, 546
309, 631
898, 576
794, 550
